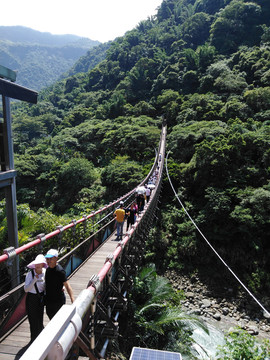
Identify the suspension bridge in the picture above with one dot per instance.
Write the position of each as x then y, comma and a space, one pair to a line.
99, 270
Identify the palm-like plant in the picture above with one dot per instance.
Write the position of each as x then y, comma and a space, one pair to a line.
158, 314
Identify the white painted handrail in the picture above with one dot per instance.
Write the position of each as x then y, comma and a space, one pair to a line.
65, 318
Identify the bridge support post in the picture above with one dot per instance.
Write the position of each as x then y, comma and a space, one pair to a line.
92, 325
7, 181
82, 342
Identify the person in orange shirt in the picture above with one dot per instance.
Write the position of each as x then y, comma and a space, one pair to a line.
119, 216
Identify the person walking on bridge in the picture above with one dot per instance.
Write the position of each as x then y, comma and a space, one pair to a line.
147, 193
131, 215
55, 281
34, 287
119, 216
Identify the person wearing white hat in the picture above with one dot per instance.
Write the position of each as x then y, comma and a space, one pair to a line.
55, 280
34, 287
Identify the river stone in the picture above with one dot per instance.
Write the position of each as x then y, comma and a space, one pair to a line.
225, 311
238, 307
206, 303
217, 316
242, 325
252, 330
196, 312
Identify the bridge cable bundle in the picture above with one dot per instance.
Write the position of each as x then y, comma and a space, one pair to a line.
208, 243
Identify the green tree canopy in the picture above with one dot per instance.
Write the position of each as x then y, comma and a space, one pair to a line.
73, 176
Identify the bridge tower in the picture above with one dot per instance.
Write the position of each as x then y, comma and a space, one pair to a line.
8, 89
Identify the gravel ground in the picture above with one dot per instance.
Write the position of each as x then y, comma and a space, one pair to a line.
223, 307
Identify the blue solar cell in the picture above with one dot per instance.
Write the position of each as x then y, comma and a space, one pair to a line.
150, 354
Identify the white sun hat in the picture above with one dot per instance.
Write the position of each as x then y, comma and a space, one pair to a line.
51, 253
40, 259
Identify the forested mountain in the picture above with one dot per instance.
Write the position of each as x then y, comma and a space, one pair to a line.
40, 58
204, 66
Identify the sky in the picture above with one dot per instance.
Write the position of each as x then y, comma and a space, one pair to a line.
100, 20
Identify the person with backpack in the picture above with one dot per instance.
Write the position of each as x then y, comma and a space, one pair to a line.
34, 286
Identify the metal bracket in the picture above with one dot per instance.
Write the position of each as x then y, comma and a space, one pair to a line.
60, 228
74, 222
110, 258
11, 253
94, 281
41, 237
121, 243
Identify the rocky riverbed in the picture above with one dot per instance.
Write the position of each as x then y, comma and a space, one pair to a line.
223, 307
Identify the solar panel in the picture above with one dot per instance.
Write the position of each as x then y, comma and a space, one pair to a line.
150, 354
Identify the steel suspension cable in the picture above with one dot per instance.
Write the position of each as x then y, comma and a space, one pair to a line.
208, 243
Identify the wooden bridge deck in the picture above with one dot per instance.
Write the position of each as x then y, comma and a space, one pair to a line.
15, 344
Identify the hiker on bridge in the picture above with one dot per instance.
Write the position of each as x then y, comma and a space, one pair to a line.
147, 193
55, 280
119, 216
131, 215
34, 286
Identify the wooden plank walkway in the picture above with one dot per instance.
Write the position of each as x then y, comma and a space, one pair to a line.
15, 344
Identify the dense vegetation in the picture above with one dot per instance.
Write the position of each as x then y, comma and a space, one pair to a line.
203, 65
156, 321
239, 345
156, 318
40, 58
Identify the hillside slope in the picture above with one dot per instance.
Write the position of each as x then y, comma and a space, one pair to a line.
39, 58
205, 67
